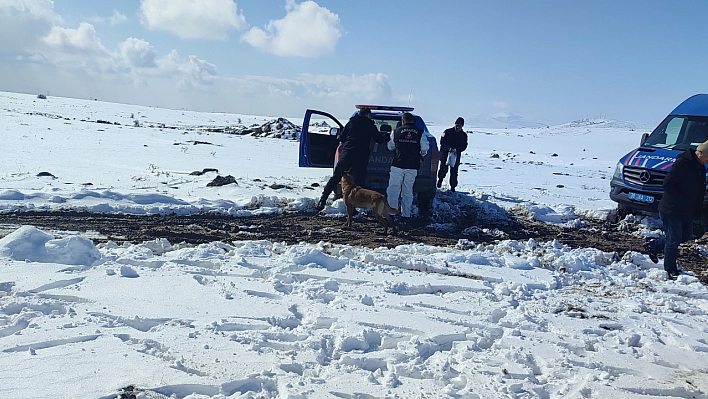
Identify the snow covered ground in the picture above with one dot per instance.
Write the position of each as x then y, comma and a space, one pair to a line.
259, 319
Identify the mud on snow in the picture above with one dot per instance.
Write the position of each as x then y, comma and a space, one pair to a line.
464, 227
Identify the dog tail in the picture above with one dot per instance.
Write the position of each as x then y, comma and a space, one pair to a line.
392, 211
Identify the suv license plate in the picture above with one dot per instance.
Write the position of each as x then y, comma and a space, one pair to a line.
641, 197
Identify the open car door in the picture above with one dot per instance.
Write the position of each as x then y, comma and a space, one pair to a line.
319, 142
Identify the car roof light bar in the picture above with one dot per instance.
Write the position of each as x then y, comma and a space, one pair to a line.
394, 108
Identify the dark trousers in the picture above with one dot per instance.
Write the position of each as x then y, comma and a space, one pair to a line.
676, 230
357, 167
453, 170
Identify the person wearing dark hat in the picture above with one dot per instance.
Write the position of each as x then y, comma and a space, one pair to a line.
680, 206
453, 140
356, 139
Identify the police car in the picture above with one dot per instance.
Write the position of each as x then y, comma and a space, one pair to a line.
637, 184
320, 148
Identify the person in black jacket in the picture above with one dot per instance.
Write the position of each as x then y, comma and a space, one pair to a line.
681, 204
355, 138
452, 140
409, 146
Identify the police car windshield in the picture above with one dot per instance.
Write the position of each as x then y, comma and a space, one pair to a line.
679, 132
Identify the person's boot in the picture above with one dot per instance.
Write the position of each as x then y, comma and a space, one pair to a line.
439, 182
321, 204
650, 248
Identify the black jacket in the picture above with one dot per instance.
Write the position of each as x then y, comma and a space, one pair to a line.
684, 187
357, 135
452, 139
406, 155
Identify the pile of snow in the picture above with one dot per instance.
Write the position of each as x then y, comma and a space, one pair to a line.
280, 128
30, 244
260, 319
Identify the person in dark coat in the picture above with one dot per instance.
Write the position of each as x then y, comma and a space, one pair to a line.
681, 205
453, 140
356, 139
409, 146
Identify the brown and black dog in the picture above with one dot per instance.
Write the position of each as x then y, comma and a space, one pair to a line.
359, 197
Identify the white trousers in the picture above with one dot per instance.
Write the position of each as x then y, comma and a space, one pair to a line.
400, 184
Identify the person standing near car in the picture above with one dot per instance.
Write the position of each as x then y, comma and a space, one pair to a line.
453, 140
680, 206
355, 138
408, 146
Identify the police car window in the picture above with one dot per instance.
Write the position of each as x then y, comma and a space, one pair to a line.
323, 125
696, 132
673, 129
666, 135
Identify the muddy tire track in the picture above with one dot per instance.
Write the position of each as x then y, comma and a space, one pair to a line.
297, 227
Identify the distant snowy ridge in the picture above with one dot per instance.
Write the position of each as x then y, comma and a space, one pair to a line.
606, 123
504, 120
501, 120
272, 127
279, 128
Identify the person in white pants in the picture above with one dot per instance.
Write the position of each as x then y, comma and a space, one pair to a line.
409, 146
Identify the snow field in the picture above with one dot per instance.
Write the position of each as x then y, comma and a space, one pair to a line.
262, 318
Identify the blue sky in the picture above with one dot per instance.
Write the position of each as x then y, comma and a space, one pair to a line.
549, 61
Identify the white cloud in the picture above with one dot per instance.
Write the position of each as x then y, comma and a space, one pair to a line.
307, 30
24, 22
137, 53
80, 52
82, 39
35, 32
193, 19
39, 9
117, 18
369, 87
197, 74
37, 58
193, 73
74, 61
77, 49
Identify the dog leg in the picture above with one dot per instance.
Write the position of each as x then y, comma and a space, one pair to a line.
389, 220
381, 216
350, 211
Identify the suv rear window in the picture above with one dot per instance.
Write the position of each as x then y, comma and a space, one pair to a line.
394, 121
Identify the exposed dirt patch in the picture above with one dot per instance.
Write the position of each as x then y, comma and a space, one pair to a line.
309, 227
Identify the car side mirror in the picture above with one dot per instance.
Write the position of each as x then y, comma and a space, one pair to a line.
645, 136
333, 131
